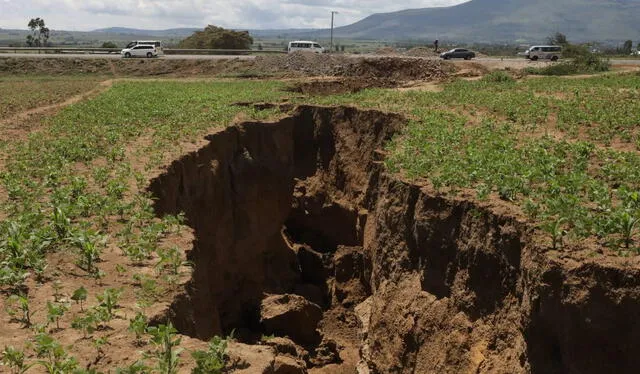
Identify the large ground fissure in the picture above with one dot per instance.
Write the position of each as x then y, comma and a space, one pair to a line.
300, 232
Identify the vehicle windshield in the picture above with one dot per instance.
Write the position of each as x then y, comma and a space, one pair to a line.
132, 44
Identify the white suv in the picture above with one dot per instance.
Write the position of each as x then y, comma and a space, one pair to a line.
140, 50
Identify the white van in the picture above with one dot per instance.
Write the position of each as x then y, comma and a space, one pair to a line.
305, 46
156, 43
140, 50
544, 52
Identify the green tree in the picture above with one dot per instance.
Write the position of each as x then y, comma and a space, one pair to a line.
39, 33
109, 45
213, 37
557, 39
627, 47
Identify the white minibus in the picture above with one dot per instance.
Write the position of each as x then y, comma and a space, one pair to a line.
305, 46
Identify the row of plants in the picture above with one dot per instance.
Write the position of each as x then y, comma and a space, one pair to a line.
570, 187
77, 188
17, 95
601, 109
52, 207
495, 135
44, 351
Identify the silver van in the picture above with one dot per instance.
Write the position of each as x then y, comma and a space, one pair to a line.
305, 46
156, 43
544, 52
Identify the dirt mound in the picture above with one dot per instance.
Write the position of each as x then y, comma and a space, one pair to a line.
311, 64
386, 51
422, 52
471, 69
396, 68
120, 67
393, 68
299, 64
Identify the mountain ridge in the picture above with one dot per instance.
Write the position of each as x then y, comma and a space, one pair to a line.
506, 20
181, 31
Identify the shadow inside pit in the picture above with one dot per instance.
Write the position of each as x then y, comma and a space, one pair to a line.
262, 199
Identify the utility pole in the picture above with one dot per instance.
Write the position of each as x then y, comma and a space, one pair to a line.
333, 12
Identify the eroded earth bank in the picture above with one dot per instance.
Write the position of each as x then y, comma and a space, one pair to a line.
319, 259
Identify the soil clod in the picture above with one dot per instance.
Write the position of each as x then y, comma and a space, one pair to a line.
292, 316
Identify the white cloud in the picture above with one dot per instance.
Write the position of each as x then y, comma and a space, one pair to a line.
162, 14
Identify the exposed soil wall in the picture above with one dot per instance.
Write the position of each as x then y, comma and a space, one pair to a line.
238, 192
440, 285
459, 288
446, 285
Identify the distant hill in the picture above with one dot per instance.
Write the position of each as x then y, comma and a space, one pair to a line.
184, 32
119, 35
505, 20
282, 33
179, 32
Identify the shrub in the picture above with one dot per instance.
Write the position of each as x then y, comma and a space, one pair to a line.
498, 77
213, 37
582, 62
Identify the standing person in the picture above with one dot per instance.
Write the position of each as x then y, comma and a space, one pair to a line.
435, 45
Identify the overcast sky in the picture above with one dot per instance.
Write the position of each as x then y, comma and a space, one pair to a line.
84, 15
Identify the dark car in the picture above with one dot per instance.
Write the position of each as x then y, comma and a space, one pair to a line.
458, 53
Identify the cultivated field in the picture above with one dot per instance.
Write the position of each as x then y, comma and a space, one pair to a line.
405, 216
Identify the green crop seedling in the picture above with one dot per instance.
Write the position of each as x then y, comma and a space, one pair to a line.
15, 360
109, 302
138, 325
55, 311
53, 357
167, 353
18, 308
80, 296
213, 360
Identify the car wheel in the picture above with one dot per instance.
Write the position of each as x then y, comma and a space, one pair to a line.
149, 54
127, 55
534, 58
554, 58
446, 57
467, 57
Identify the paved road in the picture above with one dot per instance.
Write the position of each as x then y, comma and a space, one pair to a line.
118, 56
525, 61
